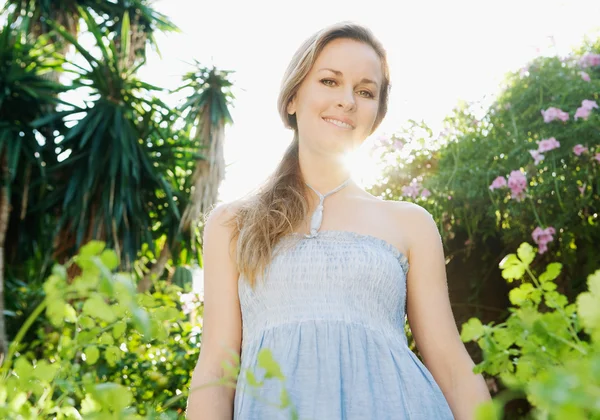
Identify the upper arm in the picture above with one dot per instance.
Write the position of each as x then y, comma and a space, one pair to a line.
428, 305
222, 320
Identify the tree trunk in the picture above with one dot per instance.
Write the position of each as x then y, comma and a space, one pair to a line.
4, 215
208, 174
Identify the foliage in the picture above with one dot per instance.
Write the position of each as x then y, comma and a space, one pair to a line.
450, 174
120, 152
105, 351
542, 349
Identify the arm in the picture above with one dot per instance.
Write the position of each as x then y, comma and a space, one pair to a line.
432, 321
222, 323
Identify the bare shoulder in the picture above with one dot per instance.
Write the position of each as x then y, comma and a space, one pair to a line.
412, 221
221, 213
219, 225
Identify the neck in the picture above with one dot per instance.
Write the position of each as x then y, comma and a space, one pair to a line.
323, 173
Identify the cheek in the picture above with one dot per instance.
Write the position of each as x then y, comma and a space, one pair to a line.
370, 115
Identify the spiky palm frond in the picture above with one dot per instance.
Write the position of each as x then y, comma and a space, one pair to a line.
120, 152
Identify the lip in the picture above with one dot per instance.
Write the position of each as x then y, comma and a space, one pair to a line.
341, 119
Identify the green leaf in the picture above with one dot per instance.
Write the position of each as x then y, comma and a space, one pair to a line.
89, 405
46, 371
60, 271
57, 311
86, 322
92, 249
96, 307
86, 281
114, 396
268, 363
588, 309
517, 296
119, 329
555, 300
594, 283
91, 355
112, 354
489, 410
526, 253
23, 369
106, 339
512, 268
141, 320
70, 314
471, 330
552, 272
284, 399
252, 381
109, 259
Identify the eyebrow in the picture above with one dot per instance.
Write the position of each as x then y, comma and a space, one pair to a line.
339, 73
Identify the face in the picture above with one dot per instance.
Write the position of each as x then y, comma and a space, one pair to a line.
336, 105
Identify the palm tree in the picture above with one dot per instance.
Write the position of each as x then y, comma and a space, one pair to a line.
205, 115
144, 22
120, 152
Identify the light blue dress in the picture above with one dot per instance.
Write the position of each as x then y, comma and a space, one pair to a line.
332, 310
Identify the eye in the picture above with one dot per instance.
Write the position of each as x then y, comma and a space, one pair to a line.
328, 82
367, 94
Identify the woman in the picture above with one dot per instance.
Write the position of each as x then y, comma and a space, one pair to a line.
321, 273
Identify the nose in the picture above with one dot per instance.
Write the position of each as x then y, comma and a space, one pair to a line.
347, 101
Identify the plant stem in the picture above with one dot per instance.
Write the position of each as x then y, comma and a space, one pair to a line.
560, 203
22, 331
537, 217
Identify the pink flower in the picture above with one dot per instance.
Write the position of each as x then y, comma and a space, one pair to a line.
410, 191
579, 149
588, 104
582, 113
585, 76
537, 156
553, 113
382, 139
499, 182
545, 145
425, 193
398, 144
597, 157
517, 182
590, 60
582, 188
542, 236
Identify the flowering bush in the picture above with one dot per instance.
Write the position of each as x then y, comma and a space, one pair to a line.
527, 166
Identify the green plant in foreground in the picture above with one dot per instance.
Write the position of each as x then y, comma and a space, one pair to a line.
93, 358
548, 349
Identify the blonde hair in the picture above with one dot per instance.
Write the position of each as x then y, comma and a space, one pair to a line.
280, 205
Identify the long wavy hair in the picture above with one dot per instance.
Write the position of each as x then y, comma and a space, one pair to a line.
281, 205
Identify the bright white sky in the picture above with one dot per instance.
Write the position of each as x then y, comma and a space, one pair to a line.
439, 52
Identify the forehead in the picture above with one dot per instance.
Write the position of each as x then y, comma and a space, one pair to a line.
352, 58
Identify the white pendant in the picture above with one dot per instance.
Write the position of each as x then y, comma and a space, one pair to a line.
316, 220
317, 217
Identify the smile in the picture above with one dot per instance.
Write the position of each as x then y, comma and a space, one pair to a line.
339, 123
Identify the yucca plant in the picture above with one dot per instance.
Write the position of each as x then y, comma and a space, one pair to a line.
144, 23
25, 95
206, 114
120, 153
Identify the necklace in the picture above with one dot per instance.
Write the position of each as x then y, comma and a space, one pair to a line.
317, 217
